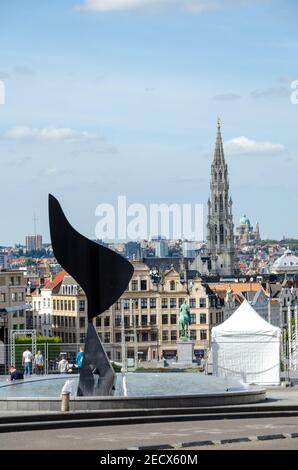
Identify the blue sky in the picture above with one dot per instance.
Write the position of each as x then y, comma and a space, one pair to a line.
111, 97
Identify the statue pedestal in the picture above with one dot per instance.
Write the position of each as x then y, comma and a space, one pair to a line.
185, 352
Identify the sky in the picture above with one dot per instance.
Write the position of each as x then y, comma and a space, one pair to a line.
121, 97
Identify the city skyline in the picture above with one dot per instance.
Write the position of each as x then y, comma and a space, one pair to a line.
124, 101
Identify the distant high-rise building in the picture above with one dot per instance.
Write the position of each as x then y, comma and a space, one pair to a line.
188, 249
3, 260
33, 242
161, 249
133, 250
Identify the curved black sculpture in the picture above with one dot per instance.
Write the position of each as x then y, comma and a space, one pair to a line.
103, 275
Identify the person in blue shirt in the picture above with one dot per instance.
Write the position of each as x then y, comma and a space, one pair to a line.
15, 374
79, 358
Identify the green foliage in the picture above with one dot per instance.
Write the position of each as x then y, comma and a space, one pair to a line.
39, 339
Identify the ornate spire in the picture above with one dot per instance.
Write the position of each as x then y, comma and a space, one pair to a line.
219, 156
220, 239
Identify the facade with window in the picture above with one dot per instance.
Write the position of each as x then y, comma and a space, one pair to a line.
147, 314
13, 307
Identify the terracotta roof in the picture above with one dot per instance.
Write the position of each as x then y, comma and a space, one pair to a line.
57, 280
237, 287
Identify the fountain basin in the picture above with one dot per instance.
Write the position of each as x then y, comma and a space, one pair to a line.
145, 390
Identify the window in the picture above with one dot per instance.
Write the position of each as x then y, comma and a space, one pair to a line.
2, 297
144, 303
134, 285
81, 305
14, 296
82, 337
73, 305
219, 317
118, 305
174, 335
82, 322
173, 319
126, 304
165, 335
172, 285
221, 233
153, 319
203, 334
192, 303
107, 337
144, 336
118, 320
54, 304
143, 285
118, 337
193, 335
181, 301
21, 296
165, 319
58, 304
193, 319
173, 303
144, 320
65, 304
153, 336
152, 302
203, 318
164, 303
21, 313
203, 303
69, 305
107, 321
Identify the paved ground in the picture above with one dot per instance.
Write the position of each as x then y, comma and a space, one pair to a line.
127, 436
282, 444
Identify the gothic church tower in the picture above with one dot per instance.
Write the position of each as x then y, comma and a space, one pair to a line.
220, 228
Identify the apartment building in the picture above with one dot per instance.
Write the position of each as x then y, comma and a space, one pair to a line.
12, 303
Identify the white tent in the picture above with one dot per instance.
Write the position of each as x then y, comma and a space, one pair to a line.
247, 347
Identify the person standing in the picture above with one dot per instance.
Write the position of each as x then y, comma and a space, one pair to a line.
79, 358
27, 362
39, 363
63, 365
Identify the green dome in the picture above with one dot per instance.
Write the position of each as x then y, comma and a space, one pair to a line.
244, 220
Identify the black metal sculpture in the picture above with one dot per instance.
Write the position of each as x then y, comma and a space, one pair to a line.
103, 275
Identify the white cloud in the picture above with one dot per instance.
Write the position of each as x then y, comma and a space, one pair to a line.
244, 146
47, 133
194, 5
